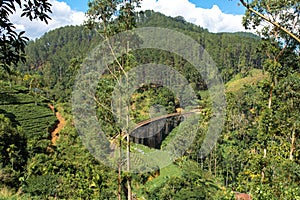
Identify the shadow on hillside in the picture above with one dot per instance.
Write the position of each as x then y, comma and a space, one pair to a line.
6, 98
11, 116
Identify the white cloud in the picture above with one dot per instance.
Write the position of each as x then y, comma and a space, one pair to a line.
213, 19
62, 15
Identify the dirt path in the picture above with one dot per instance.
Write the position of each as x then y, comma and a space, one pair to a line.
61, 124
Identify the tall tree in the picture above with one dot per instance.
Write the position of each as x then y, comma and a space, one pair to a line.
282, 15
282, 32
110, 17
278, 23
12, 43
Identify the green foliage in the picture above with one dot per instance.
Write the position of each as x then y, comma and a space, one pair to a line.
258, 148
143, 106
192, 183
232, 52
111, 17
35, 119
12, 43
238, 82
41, 186
76, 173
283, 21
258, 152
280, 35
57, 55
13, 153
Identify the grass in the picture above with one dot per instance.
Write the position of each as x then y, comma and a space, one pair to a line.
166, 173
9, 194
5, 193
139, 147
238, 82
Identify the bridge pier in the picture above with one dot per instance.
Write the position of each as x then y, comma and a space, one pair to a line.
152, 134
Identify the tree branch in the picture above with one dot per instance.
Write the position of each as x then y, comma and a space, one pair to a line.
270, 21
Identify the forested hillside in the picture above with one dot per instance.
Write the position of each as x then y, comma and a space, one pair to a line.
57, 55
257, 153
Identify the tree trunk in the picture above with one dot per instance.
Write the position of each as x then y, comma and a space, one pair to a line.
128, 168
262, 176
215, 164
210, 162
270, 97
128, 153
293, 142
119, 168
226, 180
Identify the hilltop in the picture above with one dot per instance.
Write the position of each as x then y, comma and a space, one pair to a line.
57, 55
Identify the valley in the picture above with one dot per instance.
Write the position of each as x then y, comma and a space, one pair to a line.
161, 141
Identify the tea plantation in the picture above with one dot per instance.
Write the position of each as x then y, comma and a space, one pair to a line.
28, 111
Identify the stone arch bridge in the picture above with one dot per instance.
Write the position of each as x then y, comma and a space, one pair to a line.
153, 131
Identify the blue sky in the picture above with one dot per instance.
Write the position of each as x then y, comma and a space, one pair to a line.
80, 5
226, 6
